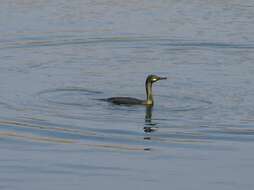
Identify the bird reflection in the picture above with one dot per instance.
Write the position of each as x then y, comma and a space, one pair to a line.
150, 126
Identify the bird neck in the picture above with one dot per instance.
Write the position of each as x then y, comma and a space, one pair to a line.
149, 93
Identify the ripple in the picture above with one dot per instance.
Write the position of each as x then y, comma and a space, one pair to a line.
183, 103
123, 41
6, 105
65, 135
82, 104
72, 96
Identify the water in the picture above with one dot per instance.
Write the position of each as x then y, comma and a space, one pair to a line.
57, 58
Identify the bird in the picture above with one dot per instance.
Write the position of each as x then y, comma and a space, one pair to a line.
134, 101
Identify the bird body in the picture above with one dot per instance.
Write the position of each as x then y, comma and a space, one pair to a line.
126, 100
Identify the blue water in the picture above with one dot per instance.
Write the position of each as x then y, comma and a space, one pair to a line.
58, 58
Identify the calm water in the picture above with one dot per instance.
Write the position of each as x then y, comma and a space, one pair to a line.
58, 57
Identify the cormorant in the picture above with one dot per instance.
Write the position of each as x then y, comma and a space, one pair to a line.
134, 101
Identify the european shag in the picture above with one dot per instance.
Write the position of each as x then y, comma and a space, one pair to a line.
133, 101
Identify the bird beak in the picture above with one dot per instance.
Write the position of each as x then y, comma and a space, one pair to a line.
162, 78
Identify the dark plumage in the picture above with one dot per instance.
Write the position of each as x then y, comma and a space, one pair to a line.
125, 100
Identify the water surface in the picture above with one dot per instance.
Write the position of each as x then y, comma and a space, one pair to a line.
58, 58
